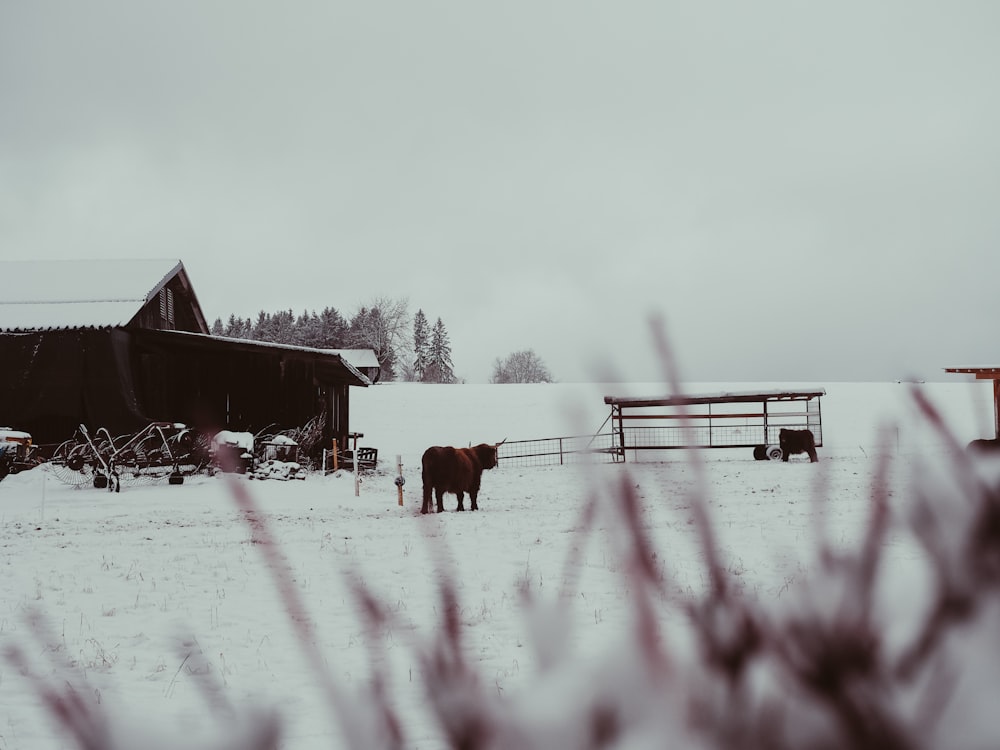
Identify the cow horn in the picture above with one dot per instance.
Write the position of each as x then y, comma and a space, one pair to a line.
501, 442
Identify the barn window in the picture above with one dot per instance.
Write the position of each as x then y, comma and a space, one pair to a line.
167, 307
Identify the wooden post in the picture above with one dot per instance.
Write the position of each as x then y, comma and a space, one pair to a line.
399, 483
335, 464
354, 459
996, 408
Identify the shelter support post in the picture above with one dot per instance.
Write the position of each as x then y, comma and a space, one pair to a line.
996, 409
986, 373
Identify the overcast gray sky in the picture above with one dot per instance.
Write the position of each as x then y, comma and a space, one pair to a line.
805, 191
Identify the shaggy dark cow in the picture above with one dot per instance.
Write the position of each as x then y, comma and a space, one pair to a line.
456, 470
797, 441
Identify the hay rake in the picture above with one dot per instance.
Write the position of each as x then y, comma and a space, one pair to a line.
160, 450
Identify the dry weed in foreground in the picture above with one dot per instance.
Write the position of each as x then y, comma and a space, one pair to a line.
815, 670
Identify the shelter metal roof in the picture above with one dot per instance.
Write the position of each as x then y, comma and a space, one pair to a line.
723, 397
52, 295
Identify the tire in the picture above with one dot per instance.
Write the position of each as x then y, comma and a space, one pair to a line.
760, 453
774, 453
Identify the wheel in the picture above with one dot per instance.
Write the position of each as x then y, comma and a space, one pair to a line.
71, 464
774, 453
760, 453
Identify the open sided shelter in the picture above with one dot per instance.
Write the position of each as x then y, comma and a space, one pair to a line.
642, 425
986, 373
715, 420
121, 343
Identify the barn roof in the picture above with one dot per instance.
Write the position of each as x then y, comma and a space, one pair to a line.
342, 366
50, 295
358, 357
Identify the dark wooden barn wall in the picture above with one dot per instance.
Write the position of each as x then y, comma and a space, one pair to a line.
240, 390
53, 381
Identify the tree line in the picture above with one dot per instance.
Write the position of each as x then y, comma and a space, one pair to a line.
407, 349
382, 325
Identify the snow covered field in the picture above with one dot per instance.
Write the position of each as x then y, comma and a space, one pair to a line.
149, 599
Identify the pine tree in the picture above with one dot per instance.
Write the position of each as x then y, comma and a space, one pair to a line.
306, 331
262, 328
440, 368
284, 327
234, 327
333, 330
421, 346
217, 329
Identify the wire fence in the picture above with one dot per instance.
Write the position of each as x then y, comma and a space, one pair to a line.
708, 436
611, 447
559, 451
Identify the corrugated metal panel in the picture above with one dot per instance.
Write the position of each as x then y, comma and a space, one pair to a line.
46, 295
45, 316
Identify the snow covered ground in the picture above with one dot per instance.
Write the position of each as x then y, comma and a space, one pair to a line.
148, 600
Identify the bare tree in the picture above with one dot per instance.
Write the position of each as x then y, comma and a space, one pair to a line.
521, 367
382, 326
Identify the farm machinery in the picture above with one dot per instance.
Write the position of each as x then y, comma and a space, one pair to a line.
16, 452
171, 451
160, 450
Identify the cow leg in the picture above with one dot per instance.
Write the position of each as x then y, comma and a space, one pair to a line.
461, 500
439, 494
813, 458
473, 495
426, 507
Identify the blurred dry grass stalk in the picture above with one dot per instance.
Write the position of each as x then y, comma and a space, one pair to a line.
818, 671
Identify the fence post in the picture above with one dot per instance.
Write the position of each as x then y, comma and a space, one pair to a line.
399, 479
354, 460
335, 462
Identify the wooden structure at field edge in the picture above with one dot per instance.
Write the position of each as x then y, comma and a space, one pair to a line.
721, 420
123, 343
985, 373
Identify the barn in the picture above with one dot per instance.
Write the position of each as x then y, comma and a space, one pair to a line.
121, 343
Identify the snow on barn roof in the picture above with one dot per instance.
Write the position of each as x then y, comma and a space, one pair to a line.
358, 357
348, 365
45, 295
